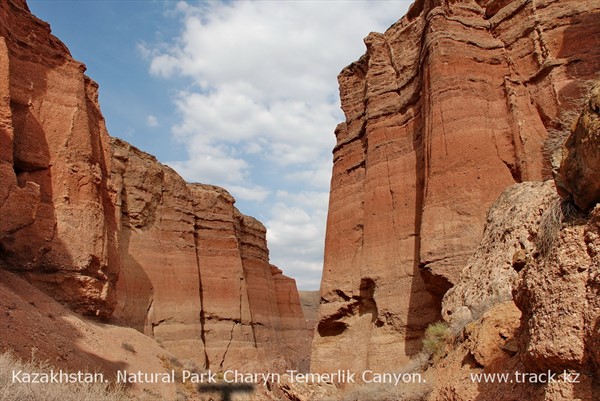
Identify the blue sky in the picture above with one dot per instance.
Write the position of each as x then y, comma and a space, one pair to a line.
241, 94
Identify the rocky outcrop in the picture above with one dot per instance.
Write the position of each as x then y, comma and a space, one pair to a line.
446, 109
579, 174
558, 295
540, 254
543, 306
509, 243
107, 229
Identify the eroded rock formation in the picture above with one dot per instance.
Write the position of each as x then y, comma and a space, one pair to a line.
544, 306
105, 228
579, 174
539, 259
196, 272
58, 223
446, 109
509, 242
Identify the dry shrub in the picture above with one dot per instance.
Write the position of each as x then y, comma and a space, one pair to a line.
559, 212
15, 391
552, 151
170, 362
388, 392
128, 347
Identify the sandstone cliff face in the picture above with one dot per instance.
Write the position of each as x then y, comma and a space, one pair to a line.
447, 108
58, 225
539, 254
196, 272
104, 227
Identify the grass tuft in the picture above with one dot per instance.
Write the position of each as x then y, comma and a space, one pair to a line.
435, 339
12, 390
128, 347
559, 212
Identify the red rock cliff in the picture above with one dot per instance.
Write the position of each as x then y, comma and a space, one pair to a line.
196, 272
105, 228
446, 109
58, 223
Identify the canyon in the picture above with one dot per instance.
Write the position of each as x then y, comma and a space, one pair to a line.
464, 190
107, 230
446, 109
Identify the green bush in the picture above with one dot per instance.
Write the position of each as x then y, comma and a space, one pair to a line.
436, 337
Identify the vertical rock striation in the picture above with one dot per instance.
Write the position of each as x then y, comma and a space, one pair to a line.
446, 108
196, 272
107, 229
58, 225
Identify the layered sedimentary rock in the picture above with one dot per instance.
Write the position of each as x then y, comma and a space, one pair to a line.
196, 272
539, 254
446, 109
58, 223
105, 228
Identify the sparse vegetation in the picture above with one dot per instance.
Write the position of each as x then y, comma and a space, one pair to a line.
128, 347
14, 391
559, 212
435, 339
553, 145
388, 392
172, 363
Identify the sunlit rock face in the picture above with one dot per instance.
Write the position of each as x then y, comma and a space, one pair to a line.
108, 230
58, 221
447, 108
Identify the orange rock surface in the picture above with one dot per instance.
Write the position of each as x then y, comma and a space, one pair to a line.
108, 230
446, 109
58, 222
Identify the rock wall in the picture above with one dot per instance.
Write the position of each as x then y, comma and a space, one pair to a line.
579, 173
105, 228
446, 109
196, 273
58, 223
544, 304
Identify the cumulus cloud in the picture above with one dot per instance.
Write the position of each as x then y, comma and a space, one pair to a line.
295, 236
152, 122
259, 113
256, 193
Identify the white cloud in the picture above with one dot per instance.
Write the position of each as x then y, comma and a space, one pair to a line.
295, 233
315, 200
263, 105
256, 193
152, 122
211, 165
